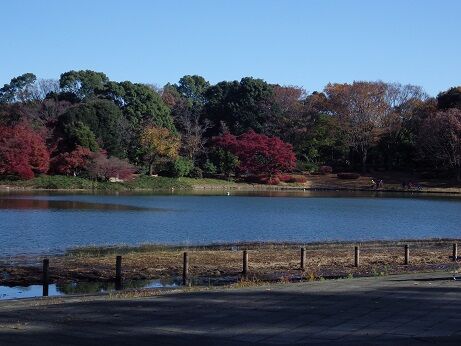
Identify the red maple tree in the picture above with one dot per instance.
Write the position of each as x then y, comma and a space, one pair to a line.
102, 167
258, 154
71, 163
23, 152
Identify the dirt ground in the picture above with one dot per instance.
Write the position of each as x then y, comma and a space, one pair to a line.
392, 182
223, 263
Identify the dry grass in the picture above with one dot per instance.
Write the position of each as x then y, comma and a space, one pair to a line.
279, 262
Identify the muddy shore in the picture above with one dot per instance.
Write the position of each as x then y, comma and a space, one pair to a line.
223, 263
392, 182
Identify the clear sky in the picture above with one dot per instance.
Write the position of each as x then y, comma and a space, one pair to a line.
304, 43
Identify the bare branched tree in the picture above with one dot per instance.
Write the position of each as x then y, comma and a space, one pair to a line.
192, 133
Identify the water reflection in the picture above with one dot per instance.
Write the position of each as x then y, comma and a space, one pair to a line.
38, 204
15, 292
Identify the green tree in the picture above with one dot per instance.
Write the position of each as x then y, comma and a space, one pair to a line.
181, 167
140, 104
240, 106
81, 135
19, 89
193, 88
224, 161
325, 142
102, 118
82, 83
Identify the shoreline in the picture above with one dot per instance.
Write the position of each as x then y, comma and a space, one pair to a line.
327, 182
222, 263
244, 188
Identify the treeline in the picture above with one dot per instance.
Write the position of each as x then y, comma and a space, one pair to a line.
87, 125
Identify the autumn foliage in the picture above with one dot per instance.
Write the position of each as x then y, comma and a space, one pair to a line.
102, 167
72, 163
159, 145
258, 154
23, 152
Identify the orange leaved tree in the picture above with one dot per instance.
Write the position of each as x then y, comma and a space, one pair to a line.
159, 145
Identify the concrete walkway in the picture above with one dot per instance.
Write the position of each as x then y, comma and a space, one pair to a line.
409, 309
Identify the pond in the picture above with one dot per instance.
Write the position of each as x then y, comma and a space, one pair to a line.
39, 223
15, 292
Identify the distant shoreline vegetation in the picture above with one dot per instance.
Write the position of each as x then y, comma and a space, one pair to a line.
85, 131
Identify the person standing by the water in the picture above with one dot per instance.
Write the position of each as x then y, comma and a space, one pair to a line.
373, 184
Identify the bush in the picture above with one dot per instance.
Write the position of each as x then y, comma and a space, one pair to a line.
257, 179
301, 179
263, 179
286, 178
270, 181
349, 176
103, 167
196, 172
181, 167
303, 166
325, 170
209, 167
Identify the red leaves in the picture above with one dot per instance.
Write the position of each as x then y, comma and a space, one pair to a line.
105, 168
259, 154
22, 152
72, 163
95, 164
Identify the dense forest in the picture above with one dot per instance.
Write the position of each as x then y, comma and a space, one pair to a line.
86, 125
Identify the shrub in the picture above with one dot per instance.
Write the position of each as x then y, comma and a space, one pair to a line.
325, 170
104, 168
286, 178
301, 179
257, 179
263, 179
209, 167
270, 181
196, 172
181, 167
224, 161
349, 176
303, 166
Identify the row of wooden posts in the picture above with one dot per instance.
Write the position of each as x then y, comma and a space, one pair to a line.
185, 273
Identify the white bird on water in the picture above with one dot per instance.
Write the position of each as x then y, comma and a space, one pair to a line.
228, 193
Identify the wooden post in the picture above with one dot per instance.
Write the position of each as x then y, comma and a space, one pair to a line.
455, 252
245, 264
303, 258
407, 254
185, 269
46, 264
118, 273
356, 256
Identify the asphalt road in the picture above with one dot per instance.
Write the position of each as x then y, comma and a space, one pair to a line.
405, 309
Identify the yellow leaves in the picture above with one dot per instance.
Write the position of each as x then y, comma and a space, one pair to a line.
161, 142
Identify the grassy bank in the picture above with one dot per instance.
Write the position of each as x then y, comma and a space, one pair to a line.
392, 183
58, 182
223, 263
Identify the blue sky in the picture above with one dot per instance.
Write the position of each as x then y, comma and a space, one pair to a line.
304, 43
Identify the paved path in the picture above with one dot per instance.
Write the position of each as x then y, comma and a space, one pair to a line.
410, 309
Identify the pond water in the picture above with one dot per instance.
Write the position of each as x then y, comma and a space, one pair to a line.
36, 223
16, 292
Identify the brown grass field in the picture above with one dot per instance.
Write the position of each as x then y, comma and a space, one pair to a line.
223, 263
